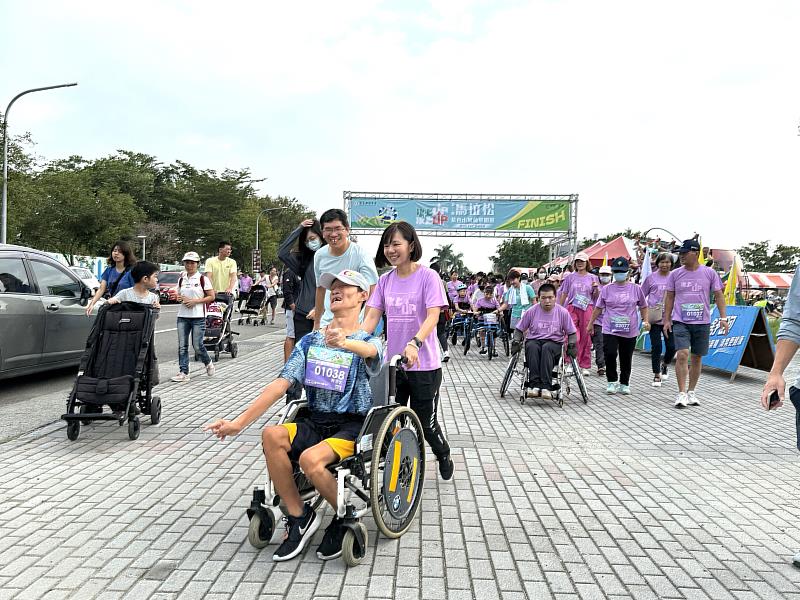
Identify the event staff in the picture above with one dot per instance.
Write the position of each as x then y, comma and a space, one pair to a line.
619, 302
687, 317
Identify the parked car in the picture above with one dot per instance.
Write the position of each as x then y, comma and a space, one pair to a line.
168, 286
43, 323
87, 277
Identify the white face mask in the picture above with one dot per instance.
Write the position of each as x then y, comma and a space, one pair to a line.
541, 275
605, 278
619, 277
313, 245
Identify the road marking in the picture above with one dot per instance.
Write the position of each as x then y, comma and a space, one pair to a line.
167, 330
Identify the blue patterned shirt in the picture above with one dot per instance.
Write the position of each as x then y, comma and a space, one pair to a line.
356, 397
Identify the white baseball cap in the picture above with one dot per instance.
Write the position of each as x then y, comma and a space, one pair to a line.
605, 270
193, 256
347, 276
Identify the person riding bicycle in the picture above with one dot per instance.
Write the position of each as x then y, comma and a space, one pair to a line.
486, 304
544, 327
334, 364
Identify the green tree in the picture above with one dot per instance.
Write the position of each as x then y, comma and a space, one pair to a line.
758, 257
520, 252
449, 259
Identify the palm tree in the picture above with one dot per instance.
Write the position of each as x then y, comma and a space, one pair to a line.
448, 259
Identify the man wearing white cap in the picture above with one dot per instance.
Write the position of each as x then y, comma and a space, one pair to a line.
578, 292
195, 291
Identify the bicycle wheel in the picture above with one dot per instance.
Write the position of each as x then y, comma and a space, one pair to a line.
506, 345
512, 366
579, 378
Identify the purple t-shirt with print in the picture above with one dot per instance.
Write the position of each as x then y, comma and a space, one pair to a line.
578, 289
487, 303
452, 290
693, 291
654, 288
540, 324
621, 303
405, 301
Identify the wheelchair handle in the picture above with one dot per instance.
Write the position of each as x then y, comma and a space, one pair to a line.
393, 362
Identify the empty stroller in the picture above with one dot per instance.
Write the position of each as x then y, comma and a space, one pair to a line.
118, 369
218, 336
255, 304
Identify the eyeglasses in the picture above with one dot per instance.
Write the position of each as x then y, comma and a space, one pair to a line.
333, 230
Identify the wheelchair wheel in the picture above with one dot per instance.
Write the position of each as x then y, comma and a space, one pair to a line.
353, 552
489, 344
506, 345
579, 379
398, 472
512, 366
262, 526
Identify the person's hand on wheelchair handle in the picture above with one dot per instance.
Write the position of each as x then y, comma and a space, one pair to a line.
222, 428
411, 354
572, 350
516, 347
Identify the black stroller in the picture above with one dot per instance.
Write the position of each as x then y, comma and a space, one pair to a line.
255, 304
118, 369
218, 336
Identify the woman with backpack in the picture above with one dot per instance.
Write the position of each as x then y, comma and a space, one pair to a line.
117, 276
195, 291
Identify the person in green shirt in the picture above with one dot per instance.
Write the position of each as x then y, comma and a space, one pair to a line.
519, 297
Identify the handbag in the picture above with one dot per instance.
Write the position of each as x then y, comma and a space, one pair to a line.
655, 314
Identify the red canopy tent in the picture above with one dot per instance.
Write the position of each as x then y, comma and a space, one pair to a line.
620, 246
764, 281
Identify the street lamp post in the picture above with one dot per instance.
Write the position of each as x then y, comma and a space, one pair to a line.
259, 217
4, 219
144, 246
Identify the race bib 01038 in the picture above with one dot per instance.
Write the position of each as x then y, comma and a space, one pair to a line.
620, 324
327, 368
691, 311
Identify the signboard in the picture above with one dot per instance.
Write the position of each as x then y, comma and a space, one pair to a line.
256, 260
749, 342
462, 213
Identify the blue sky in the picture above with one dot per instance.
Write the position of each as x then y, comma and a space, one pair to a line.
683, 117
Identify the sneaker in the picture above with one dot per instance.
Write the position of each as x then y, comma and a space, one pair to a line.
299, 531
483, 351
656, 381
601, 371
331, 546
691, 399
664, 374
586, 372
681, 400
211, 369
494, 354
533, 392
446, 468
547, 394
611, 388
796, 560
445, 356
180, 377
625, 390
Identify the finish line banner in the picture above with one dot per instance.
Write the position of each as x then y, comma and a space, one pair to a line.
485, 215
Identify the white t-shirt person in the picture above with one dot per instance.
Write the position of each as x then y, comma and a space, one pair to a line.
355, 258
193, 287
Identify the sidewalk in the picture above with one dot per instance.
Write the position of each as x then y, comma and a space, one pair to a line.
625, 497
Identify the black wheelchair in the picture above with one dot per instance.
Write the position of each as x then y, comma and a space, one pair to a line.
566, 369
385, 476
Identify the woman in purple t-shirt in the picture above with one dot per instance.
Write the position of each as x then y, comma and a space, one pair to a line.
619, 302
654, 288
577, 293
412, 295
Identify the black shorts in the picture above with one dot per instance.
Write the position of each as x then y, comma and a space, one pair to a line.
340, 435
302, 326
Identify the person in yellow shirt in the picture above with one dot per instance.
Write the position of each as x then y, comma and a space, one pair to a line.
222, 269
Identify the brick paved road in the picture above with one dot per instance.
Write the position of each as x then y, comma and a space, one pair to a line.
623, 498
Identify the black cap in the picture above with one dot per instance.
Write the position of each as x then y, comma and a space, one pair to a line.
620, 265
689, 246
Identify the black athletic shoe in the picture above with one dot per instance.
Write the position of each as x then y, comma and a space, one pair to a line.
446, 468
331, 546
299, 531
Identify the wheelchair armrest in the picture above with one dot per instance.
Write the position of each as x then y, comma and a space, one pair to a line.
289, 413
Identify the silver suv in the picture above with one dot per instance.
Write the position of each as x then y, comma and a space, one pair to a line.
43, 323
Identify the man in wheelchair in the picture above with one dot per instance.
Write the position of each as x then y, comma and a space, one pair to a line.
544, 327
334, 365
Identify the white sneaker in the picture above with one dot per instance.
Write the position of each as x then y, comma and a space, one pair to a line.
625, 390
611, 388
656, 382
445, 356
210, 369
546, 394
533, 393
180, 378
664, 376
681, 400
692, 399
586, 372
